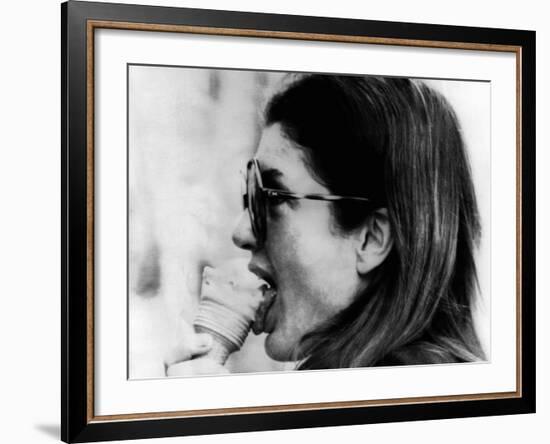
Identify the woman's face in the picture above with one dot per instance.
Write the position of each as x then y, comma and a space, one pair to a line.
305, 257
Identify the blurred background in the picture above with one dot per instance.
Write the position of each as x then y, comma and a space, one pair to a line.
190, 134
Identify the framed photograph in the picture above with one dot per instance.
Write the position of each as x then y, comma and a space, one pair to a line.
275, 221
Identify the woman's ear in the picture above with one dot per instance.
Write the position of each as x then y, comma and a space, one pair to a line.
374, 241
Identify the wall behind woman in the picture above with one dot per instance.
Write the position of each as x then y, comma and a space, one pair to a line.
29, 228
190, 133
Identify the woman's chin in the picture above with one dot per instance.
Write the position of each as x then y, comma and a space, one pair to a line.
277, 348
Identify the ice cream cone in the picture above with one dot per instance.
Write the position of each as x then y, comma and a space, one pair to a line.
227, 309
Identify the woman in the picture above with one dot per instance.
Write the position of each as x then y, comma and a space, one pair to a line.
362, 218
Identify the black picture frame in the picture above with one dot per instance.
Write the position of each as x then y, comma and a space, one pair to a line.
78, 423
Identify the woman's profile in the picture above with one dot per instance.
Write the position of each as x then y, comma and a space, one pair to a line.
361, 221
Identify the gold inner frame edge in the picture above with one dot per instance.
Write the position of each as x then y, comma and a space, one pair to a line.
96, 24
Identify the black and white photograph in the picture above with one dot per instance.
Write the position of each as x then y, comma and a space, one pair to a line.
299, 221
278, 221
285, 221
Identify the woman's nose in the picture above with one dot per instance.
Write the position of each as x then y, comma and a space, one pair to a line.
243, 236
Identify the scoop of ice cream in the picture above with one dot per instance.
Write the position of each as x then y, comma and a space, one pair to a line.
230, 298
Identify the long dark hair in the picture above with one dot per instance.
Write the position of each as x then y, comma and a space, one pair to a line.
398, 142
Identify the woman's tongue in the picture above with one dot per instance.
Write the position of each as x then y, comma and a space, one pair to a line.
269, 295
269, 321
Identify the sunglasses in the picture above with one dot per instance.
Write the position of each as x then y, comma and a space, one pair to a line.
257, 196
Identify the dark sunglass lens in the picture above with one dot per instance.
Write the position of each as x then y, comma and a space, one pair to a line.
254, 201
